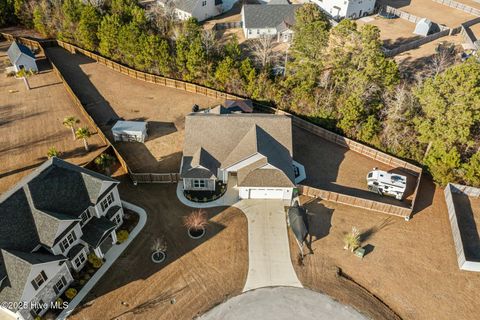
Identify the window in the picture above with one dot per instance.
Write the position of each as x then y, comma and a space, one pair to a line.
79, 260
60, 285
67, 242
39, 280
204, 3
117, 219
197, 183
37, 308
107, 201
85, 216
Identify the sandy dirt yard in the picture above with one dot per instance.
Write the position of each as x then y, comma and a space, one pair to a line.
197, 275
31, 123
331, 167
431, 10
393, 32
471, 3
411, 266
109, 95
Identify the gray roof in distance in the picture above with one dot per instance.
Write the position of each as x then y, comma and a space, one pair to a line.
269, 16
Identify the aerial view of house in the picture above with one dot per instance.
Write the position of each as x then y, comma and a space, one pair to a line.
239, 160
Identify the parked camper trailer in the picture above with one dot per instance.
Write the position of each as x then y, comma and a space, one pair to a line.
385, 183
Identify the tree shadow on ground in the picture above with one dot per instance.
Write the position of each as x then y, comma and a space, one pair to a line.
366, 234
93, 101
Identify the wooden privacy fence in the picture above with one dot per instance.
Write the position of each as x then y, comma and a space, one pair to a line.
458, 240
459, 6
155, 177
148, 77
356, 201
417, 43
227, 25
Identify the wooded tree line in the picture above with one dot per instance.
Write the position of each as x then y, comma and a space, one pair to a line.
336, 76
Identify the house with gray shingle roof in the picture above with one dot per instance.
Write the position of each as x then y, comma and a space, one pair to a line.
198, 9
49, 222
273, 19
21, 57
249, 152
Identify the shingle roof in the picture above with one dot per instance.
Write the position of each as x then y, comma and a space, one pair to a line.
231, 138
16, 50
32, 210
17, 266
96, 230
184, 5
268, 16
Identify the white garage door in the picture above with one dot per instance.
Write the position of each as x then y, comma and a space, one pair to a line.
266, 193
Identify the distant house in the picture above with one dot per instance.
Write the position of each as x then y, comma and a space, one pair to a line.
21, 57
273, 19
352, 9
198, 9
49, 222
249, 152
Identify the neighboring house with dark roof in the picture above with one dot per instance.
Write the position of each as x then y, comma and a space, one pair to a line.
274, 19
49, 222
198, 9
252, 151
21, 57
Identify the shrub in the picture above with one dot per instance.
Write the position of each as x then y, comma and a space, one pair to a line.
94, 260
71, 293
86, 277
196, 220
352, 240
122, 235
160, 244
10, 74
82, 282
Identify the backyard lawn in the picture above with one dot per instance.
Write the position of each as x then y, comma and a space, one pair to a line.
109, 95
31, 123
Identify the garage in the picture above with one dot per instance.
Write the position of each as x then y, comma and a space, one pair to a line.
266, 194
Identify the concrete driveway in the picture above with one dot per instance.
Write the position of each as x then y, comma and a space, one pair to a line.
282, 303
268, 250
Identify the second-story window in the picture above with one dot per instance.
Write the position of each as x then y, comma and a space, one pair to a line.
107, 201
204, 3
67, 242
85, 216
39, 280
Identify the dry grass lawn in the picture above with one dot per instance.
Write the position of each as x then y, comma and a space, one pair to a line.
431, 10
109, 95
334, 168
197, 275
393, 32
31, 123
411, 266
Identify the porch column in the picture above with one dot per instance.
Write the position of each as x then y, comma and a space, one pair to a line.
98, 252
114, 237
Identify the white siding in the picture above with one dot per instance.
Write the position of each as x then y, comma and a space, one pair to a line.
265, 193
27, 62
346, 8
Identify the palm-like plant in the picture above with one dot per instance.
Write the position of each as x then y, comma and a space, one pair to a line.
53, 152
70, 122
352, 240
84, 134
25, 74
104, 162
196, 220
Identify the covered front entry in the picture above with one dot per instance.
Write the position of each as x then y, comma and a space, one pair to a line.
266, 194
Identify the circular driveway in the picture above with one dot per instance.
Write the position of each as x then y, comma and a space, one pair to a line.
282, 303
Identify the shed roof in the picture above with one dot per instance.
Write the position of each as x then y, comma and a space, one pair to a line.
16, 50
130, 126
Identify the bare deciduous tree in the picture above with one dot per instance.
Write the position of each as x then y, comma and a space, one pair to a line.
209, 42
262, 49
443, 58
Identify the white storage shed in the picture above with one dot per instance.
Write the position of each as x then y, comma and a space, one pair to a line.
423, 27
130, 131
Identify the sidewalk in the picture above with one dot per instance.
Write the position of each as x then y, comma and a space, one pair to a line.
110, 258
